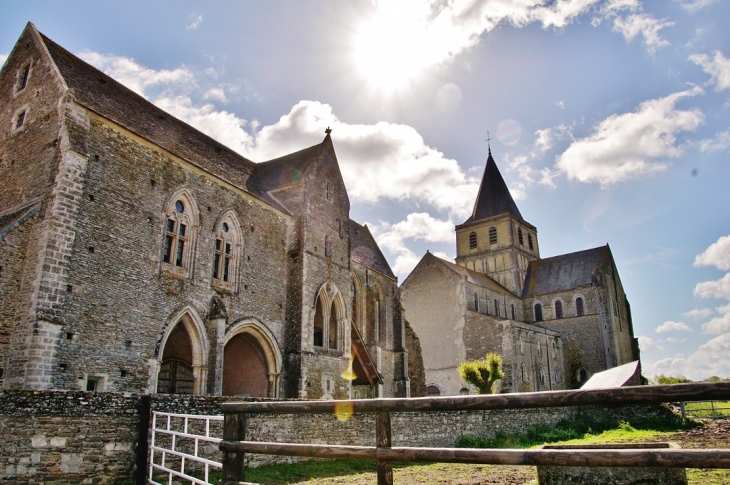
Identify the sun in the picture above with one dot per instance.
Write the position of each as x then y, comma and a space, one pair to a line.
390, 51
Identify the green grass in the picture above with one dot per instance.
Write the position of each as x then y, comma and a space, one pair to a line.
704, 409
578, 431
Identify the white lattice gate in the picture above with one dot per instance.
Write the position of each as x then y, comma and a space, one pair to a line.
184, 446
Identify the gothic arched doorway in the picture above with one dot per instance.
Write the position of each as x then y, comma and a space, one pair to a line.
181, 359
176, 368
250, 363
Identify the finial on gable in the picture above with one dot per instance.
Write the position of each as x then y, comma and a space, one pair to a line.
328, 130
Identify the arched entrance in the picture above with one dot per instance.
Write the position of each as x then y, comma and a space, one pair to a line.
251, 362
181, 369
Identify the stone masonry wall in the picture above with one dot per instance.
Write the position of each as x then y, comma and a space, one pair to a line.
67, 437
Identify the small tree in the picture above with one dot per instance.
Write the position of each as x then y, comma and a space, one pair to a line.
482, 373
662, 379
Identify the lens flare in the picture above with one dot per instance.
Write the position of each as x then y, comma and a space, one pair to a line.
508, 132
349, 374
448, 97
344, 410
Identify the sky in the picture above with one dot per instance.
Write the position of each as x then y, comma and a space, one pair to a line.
609, 120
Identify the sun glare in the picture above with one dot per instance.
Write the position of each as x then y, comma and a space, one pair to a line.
390, 50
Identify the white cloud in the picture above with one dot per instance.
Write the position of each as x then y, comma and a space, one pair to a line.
527, 175
195, 21
216, 94
698, 313
710, 359
223, 126
416, 226
718, 68
646, 26
714, 289
630, 145
405, 36
384, 160
649, 345
697, 4
671, 326
136, 77
717, 254
2, 59
720, 142
719, 324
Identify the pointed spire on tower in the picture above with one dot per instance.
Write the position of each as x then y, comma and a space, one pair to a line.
494, 197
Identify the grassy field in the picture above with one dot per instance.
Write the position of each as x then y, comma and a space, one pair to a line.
707, 409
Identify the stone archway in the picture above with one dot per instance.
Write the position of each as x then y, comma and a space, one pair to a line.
251, 362
183, 351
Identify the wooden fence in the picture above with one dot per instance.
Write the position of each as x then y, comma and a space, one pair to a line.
234, 445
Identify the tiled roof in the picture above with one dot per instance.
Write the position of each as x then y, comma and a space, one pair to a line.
472, 276
364, 250
564, 272
110, 99
283, 170
494, 197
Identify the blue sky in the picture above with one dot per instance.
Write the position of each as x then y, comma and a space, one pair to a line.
609, 119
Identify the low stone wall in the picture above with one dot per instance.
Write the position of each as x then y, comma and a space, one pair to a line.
79, 437
67, 437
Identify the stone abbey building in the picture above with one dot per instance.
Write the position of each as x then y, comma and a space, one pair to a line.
555, 321
137, 254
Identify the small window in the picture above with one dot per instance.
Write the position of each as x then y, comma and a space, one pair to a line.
579, 310
496, 308
513, 312
472, 240
178, 235
524, 373
222, 262
319, 324
19, 120
433, 390
23, 75
538, 312
520, 237
492, 235
558, 309
555, 349
91, 385
327, 247
582, 375
476, 302
529, 242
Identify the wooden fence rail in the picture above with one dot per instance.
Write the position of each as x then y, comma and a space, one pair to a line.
234, 445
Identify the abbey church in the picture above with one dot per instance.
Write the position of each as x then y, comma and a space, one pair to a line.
138, 254
555, 321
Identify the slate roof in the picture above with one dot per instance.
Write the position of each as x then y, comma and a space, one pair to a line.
472, 276
614, 377
112, 100
564, 272
494, 197
15, 216
364, 250
283, 170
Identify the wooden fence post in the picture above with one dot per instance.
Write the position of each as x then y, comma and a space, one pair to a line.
383, 440
234, 429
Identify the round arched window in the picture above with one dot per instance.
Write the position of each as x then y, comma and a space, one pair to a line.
179, 206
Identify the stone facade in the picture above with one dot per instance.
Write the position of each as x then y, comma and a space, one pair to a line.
554, 321
139, 255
